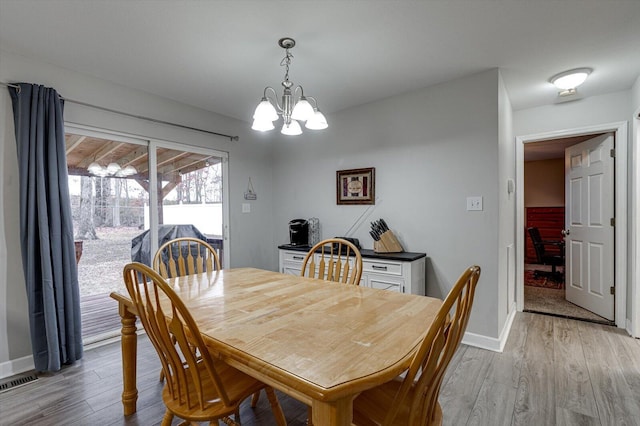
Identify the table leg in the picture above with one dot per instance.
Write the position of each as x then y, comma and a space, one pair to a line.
129, 345
335, 413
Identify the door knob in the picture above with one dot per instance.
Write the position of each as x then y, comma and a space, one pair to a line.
565, 232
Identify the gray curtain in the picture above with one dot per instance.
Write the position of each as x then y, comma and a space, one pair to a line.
46, 229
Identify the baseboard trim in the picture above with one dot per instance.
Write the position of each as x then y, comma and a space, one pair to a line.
491, 343
16, 366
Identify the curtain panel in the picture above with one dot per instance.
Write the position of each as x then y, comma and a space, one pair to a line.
46, 228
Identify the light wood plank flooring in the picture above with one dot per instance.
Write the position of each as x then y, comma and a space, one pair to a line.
554, 371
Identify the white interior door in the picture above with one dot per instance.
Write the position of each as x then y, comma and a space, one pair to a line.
589, 209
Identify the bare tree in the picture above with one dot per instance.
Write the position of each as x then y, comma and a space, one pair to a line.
86, 226
103, 193
199, 179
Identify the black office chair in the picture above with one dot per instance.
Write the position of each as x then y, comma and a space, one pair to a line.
545, 258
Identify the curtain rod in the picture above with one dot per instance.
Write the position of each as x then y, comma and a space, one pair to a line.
141, 117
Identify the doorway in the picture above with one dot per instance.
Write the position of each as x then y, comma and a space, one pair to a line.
545, 142
547, 258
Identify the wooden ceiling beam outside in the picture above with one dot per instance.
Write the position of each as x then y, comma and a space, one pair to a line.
164, 158
74, 142
171, 163
178, 166
170, 156
189, 165
101, 153
134, 157
165, 190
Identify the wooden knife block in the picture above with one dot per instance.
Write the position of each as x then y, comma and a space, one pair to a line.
388, 243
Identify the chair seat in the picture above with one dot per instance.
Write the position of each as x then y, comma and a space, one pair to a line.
237, 385
553, 260
370, 407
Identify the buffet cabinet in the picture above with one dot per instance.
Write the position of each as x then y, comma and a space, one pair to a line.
400, 272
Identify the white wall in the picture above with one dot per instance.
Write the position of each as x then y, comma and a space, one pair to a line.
635, 96
609, 108
252, 243
15, 343
507, 210
544, 183
431, 149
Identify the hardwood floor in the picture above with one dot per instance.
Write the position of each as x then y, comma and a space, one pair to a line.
554, 371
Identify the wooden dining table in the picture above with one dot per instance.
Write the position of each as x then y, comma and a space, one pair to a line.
319, 342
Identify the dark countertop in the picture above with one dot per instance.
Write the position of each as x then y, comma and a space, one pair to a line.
405, 256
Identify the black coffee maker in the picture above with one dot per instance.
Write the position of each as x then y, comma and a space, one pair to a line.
299, 232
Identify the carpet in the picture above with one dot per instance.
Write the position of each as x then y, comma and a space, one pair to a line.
553, 302
542, 281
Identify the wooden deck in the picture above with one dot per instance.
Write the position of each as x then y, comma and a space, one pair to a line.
99, 316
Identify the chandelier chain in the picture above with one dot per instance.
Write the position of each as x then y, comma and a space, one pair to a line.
286, 61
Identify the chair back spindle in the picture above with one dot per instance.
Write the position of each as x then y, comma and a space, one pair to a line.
185, 256
335, 257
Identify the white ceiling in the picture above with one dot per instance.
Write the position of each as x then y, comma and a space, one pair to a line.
219, 55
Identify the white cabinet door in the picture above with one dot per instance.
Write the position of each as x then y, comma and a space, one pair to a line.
384, 274
291, 262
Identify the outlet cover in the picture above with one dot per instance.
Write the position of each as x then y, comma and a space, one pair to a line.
474, 203
246, 208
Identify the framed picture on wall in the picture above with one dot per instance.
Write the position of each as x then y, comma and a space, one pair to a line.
356, 186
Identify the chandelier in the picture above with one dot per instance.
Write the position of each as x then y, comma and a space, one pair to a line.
295, 105
113, 169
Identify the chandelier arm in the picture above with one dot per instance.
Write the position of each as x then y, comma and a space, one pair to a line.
296, 91
274, 99
314, 101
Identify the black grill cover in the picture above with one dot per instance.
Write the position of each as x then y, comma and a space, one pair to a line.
141, 244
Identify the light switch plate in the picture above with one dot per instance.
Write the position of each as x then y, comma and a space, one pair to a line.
474, 203
246, 208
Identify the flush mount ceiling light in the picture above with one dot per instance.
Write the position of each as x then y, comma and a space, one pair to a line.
568, 81
113, 169
295, 105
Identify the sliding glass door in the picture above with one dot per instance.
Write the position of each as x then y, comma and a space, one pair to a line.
126, 194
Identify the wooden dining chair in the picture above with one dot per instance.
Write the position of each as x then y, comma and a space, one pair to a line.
185, 256
197, 387
333, 263
413, 400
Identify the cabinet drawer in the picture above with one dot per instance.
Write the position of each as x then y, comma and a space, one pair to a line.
293, 256
384, 283
380, 267
290, 269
